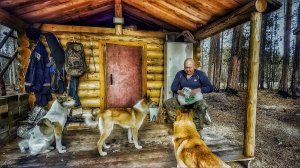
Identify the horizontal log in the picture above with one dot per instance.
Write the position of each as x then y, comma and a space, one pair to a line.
155, 99
91, 60
76, 29
156, 47
155, 69
89, 93
90, 77
86, 43
160, 35
89, 85
155, 54
110, 38
90, 102
153, 93
93, 68
99, 30
91, 110
155, 61
154, 84
155, 77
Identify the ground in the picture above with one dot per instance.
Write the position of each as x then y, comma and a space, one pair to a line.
277, 126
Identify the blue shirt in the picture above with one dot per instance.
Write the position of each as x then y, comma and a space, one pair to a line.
197, 80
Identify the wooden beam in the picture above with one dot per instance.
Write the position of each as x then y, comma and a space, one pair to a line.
235, 18
146, 18
179, 12
35, 6
12, 21
199, 13
83, 14
163, 15
55, 10
13, 3
253, 69
118, 14
253, 64
97, 30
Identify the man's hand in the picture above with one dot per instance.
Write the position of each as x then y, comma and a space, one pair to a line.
180, 92
195, 91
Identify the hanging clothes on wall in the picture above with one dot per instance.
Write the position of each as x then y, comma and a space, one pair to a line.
73, 90
58, 83
37, 77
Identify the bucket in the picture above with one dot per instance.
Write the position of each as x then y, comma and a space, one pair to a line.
153, 114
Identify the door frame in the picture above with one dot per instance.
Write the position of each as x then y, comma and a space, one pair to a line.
102, 67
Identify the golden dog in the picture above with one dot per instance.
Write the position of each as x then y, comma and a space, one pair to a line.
131, 118
190, 150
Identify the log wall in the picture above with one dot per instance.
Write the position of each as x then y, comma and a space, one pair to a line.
92, 39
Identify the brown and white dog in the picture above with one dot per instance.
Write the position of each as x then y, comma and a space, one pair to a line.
131, 118
49, 128
190, 150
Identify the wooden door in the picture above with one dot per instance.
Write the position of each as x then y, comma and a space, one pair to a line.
123, 75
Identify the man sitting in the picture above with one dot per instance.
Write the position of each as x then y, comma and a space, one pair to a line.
196, 81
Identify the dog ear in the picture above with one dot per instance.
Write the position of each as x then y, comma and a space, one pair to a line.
59, 99
178, 111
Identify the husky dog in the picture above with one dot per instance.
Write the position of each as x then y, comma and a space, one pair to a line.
190, 150
49, 128
131, 118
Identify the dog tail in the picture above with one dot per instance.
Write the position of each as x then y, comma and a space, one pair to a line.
89, 121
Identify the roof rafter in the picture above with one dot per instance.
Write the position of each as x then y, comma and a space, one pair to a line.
156, 12
12, 21
145, 17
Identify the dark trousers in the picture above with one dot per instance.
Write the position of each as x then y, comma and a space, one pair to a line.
73, 90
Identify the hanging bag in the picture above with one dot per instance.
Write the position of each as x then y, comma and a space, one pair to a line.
75, 59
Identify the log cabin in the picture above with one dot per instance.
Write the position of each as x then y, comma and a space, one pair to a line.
131, 34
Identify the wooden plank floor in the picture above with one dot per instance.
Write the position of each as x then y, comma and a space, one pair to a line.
157, 150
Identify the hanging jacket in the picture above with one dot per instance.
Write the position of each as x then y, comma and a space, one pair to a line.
37, 78
57, 51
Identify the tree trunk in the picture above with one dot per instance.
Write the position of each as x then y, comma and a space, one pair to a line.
235, 61
218, 60
283, 87
263, 53
295, 83
211, 60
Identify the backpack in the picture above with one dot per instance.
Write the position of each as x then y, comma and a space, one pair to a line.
75, 59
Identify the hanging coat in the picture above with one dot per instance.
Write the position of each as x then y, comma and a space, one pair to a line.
38, 78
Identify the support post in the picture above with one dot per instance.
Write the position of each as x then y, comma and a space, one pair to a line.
253, 67
118, 17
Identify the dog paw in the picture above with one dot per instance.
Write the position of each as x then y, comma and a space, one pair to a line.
106, 146
22, 150
138, 147
62, 151
130, 141
103, 153
63, 147
51, 148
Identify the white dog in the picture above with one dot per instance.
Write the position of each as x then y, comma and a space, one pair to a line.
49, 128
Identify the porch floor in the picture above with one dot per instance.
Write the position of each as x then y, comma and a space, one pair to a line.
157, 150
